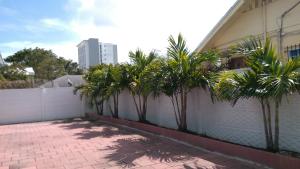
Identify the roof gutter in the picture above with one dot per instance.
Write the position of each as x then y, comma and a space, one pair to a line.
219, 25
281, 25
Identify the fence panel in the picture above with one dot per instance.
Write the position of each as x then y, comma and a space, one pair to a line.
30, 105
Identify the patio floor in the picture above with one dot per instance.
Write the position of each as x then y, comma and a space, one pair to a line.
81, 144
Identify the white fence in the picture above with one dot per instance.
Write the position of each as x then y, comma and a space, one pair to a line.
38, 104
242, 124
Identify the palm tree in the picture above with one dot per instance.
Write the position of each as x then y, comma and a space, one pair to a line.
138, 82
282, 80
115, 82
267, 78
247, 85
90, 93
183, 71
92, 90
233, 86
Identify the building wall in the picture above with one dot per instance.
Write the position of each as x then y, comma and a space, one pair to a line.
241, 124
251, 22
82, 53
92, 52
108, 53
30, 105
93, 55
88, 53
1, 60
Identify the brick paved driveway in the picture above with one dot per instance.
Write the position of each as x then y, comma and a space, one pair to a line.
81, 144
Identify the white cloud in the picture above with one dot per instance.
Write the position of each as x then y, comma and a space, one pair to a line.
130, 24
145, 23
54, 23
66, 49
7, 11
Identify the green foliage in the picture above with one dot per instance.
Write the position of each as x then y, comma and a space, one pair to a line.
268, 78
50, 69
43, 63
184, 71
114, 83
70, 67
30, 57
16, 84
148, 74
142, 70
2, 77
227, 88
102, 83
92, 90
12, 73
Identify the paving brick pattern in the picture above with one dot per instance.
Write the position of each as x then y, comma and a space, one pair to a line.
84, 145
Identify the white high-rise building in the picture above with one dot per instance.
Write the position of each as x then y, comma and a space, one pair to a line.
108, 53
92, 52
1, 60
88, 53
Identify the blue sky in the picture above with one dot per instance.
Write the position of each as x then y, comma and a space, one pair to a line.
60, 25
23, 20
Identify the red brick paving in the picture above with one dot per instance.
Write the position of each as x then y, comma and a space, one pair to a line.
84, 145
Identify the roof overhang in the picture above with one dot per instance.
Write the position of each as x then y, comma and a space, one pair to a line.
237, 5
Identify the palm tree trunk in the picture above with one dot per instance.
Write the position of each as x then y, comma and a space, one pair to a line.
174, 107
270, 123
178, 109
144, 109
114, 112
276, 143
183, 100
137, 107
181, 108
184, 111
140, 107
265, 124
116, 105
97, 108
110, 109
101, 107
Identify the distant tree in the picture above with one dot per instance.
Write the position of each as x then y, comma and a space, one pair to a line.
45, 63
71, 68
30, 58
2, 77
12, 73
50, 69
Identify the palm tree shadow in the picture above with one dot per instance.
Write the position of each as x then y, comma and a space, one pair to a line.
131, 147
128, 151
74, 124
90, 130
103, 132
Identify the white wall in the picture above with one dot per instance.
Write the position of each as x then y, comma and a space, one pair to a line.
29, 105
240, 124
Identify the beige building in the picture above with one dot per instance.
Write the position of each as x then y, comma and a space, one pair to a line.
278, 19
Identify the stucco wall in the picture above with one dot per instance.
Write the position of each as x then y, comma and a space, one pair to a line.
244, 24
29, 105
240, 124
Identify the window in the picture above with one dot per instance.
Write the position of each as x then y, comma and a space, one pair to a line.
293, 51
236, 63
